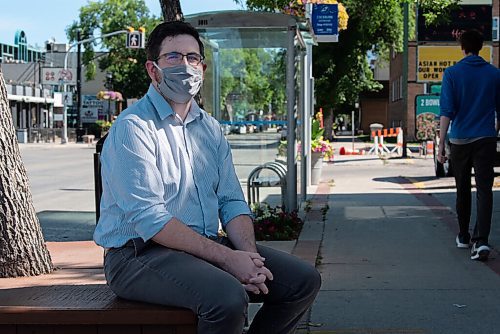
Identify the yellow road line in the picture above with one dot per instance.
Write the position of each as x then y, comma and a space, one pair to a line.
416, 184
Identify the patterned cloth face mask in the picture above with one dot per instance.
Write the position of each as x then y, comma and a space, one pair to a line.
180, 83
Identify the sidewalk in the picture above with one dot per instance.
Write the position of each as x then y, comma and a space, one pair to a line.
388, 259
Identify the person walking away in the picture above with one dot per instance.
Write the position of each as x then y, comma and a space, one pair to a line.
470, 97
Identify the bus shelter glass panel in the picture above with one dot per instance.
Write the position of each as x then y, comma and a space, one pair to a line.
245, 90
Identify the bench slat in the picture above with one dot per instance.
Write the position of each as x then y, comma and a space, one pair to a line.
85, 329
83, 304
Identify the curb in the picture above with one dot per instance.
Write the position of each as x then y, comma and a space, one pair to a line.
310, 238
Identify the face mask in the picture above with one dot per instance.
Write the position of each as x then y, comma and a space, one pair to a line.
180, 83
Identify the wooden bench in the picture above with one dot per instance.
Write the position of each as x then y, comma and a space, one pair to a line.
82, 309
74, 299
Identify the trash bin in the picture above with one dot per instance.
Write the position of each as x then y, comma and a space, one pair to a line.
375, 127
22, 136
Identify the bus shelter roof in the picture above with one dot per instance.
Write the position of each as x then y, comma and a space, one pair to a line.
249, 29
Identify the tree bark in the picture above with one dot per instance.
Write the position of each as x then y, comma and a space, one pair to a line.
328, 120
22, 248
171, 10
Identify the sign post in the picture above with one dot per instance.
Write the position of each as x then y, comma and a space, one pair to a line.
426, 113
64, 80
325, 22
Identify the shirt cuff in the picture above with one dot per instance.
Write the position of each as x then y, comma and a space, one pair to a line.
148, 224
233, 210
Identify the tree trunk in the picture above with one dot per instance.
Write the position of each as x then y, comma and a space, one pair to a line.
22, 248
171, 10
328, 121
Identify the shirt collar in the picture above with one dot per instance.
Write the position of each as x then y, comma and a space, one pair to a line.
161, 105
164, 109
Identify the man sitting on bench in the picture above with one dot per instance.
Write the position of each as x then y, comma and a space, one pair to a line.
168, 178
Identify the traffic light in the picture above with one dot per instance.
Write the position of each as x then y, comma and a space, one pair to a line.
136, 39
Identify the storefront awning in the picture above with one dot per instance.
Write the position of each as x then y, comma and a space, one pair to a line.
30, 99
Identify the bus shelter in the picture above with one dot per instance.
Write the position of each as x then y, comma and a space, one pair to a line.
259, 86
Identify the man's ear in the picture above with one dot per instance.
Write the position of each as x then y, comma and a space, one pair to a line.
152, 71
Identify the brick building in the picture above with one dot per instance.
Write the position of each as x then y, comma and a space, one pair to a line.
429, 53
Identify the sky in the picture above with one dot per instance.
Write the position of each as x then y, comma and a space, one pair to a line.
42, 20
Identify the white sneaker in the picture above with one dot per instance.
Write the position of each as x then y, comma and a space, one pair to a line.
462, 242
479, 252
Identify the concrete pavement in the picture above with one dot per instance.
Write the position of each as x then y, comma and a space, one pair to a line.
388, 258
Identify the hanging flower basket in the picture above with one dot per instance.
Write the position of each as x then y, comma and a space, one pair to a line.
109, 95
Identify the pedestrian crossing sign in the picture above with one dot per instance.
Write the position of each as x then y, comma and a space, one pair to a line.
135, 38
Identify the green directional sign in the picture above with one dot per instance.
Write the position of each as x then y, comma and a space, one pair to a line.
426, 116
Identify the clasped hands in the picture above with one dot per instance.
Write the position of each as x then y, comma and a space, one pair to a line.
249, 269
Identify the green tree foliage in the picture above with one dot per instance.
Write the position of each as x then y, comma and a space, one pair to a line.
341, 69
437, 12
251, 79
126, 65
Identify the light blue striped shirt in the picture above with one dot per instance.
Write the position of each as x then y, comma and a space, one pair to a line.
156, 167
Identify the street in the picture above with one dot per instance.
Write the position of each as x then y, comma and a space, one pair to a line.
62, 181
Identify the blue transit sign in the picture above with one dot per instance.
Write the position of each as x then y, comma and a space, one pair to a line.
325, 22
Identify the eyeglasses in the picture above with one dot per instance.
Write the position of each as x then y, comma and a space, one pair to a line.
175, 58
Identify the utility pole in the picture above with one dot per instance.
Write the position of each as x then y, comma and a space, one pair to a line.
405, 75
79, 129
64, 138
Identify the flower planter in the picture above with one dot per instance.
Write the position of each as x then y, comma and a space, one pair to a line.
316, 166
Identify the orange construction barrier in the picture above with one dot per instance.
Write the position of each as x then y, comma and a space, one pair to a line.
378, 141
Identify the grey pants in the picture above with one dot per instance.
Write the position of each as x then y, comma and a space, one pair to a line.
152, 273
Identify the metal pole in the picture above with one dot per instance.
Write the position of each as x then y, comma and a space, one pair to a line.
79, 80
352, 129
64, 138
405, 75
216, 98
291, 175
308, 111
304, 152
